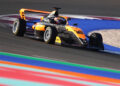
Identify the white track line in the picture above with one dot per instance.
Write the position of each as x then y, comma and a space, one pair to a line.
79, 16
8, 18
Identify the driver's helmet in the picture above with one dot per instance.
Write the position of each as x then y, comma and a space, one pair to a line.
59, 20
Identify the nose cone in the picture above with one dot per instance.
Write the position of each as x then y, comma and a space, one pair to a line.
79, 33
82, 36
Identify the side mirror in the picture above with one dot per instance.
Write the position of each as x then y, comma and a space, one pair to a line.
75, 24
69, 19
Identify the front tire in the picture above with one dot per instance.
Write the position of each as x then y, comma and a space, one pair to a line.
50, 35
19, 27
96, 40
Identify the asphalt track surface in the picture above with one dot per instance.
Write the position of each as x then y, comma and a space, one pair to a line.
27, 46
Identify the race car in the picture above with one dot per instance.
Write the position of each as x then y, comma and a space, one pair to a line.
54, 29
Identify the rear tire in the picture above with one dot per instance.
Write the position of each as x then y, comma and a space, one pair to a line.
50, 35
19, 27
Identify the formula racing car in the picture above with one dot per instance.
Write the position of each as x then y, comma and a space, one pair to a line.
53, 29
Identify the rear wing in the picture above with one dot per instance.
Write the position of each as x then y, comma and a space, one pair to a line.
23, 10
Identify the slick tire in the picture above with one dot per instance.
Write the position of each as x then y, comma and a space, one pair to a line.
50, 35
96, 40
19, 27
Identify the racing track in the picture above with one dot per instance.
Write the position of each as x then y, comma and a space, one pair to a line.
28, 46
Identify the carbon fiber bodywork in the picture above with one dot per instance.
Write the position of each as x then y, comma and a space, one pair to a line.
60, 33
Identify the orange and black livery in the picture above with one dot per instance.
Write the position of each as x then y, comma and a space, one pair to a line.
50, 27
